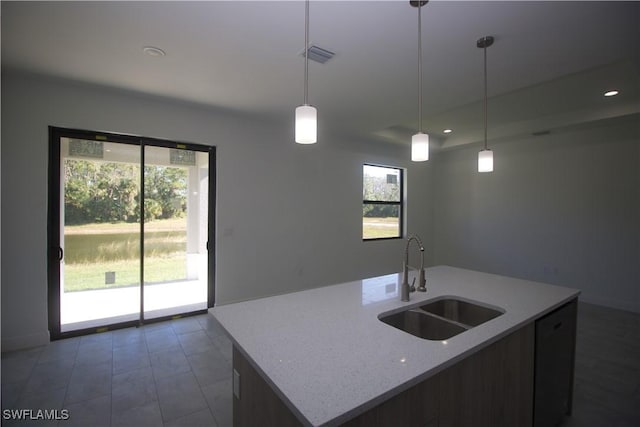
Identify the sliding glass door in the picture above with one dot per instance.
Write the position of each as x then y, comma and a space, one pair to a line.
129, 226
176, 188
100, 245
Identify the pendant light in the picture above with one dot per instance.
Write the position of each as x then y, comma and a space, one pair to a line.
485, 156
419, 141
306, 115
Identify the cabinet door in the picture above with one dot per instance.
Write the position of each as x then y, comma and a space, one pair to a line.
554, 364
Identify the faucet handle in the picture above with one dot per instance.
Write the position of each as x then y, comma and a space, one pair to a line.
412, 288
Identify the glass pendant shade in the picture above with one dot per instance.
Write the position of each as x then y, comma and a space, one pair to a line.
420, 147
485, 160
306, 124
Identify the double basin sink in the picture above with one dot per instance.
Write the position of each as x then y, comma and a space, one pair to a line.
441, 319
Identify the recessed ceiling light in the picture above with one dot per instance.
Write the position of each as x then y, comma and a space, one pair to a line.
153, 51
611, 93
447, 131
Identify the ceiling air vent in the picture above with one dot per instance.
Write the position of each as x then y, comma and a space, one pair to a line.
318, 54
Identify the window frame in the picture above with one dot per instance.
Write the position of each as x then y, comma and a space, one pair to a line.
399, 203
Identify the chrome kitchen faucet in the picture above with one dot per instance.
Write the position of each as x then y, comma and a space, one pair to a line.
405, 289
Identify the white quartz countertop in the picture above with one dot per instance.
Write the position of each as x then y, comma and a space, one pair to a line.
329, 358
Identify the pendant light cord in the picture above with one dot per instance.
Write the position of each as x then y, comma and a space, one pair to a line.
306, 53
419, 68
485, 96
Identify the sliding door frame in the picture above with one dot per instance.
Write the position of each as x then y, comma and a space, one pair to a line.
54, 250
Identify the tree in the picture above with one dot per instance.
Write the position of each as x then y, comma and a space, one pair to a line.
379, 188
109, 192
168, 187
78, 177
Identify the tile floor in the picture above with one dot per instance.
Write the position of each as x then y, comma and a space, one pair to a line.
607, 373
175, 373
178, 373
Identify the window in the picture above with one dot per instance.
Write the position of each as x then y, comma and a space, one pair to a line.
382, 192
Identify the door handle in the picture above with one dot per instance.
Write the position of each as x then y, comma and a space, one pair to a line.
60, 253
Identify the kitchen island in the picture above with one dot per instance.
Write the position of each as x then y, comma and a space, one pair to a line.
323, 357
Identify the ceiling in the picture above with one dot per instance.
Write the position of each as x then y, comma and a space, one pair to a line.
548, 68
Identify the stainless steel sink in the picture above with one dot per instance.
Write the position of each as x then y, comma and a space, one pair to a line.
461, 311
441, 319
423, 325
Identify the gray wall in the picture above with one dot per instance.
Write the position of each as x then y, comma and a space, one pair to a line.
288, 216
562, 208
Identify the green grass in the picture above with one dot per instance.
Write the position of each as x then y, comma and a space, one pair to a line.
91, 250
376, 228
103, 247
84, 277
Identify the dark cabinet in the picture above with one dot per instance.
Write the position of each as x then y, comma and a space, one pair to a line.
555, 345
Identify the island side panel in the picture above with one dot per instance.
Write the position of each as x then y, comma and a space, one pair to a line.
493, 387
258, 405
417, 406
